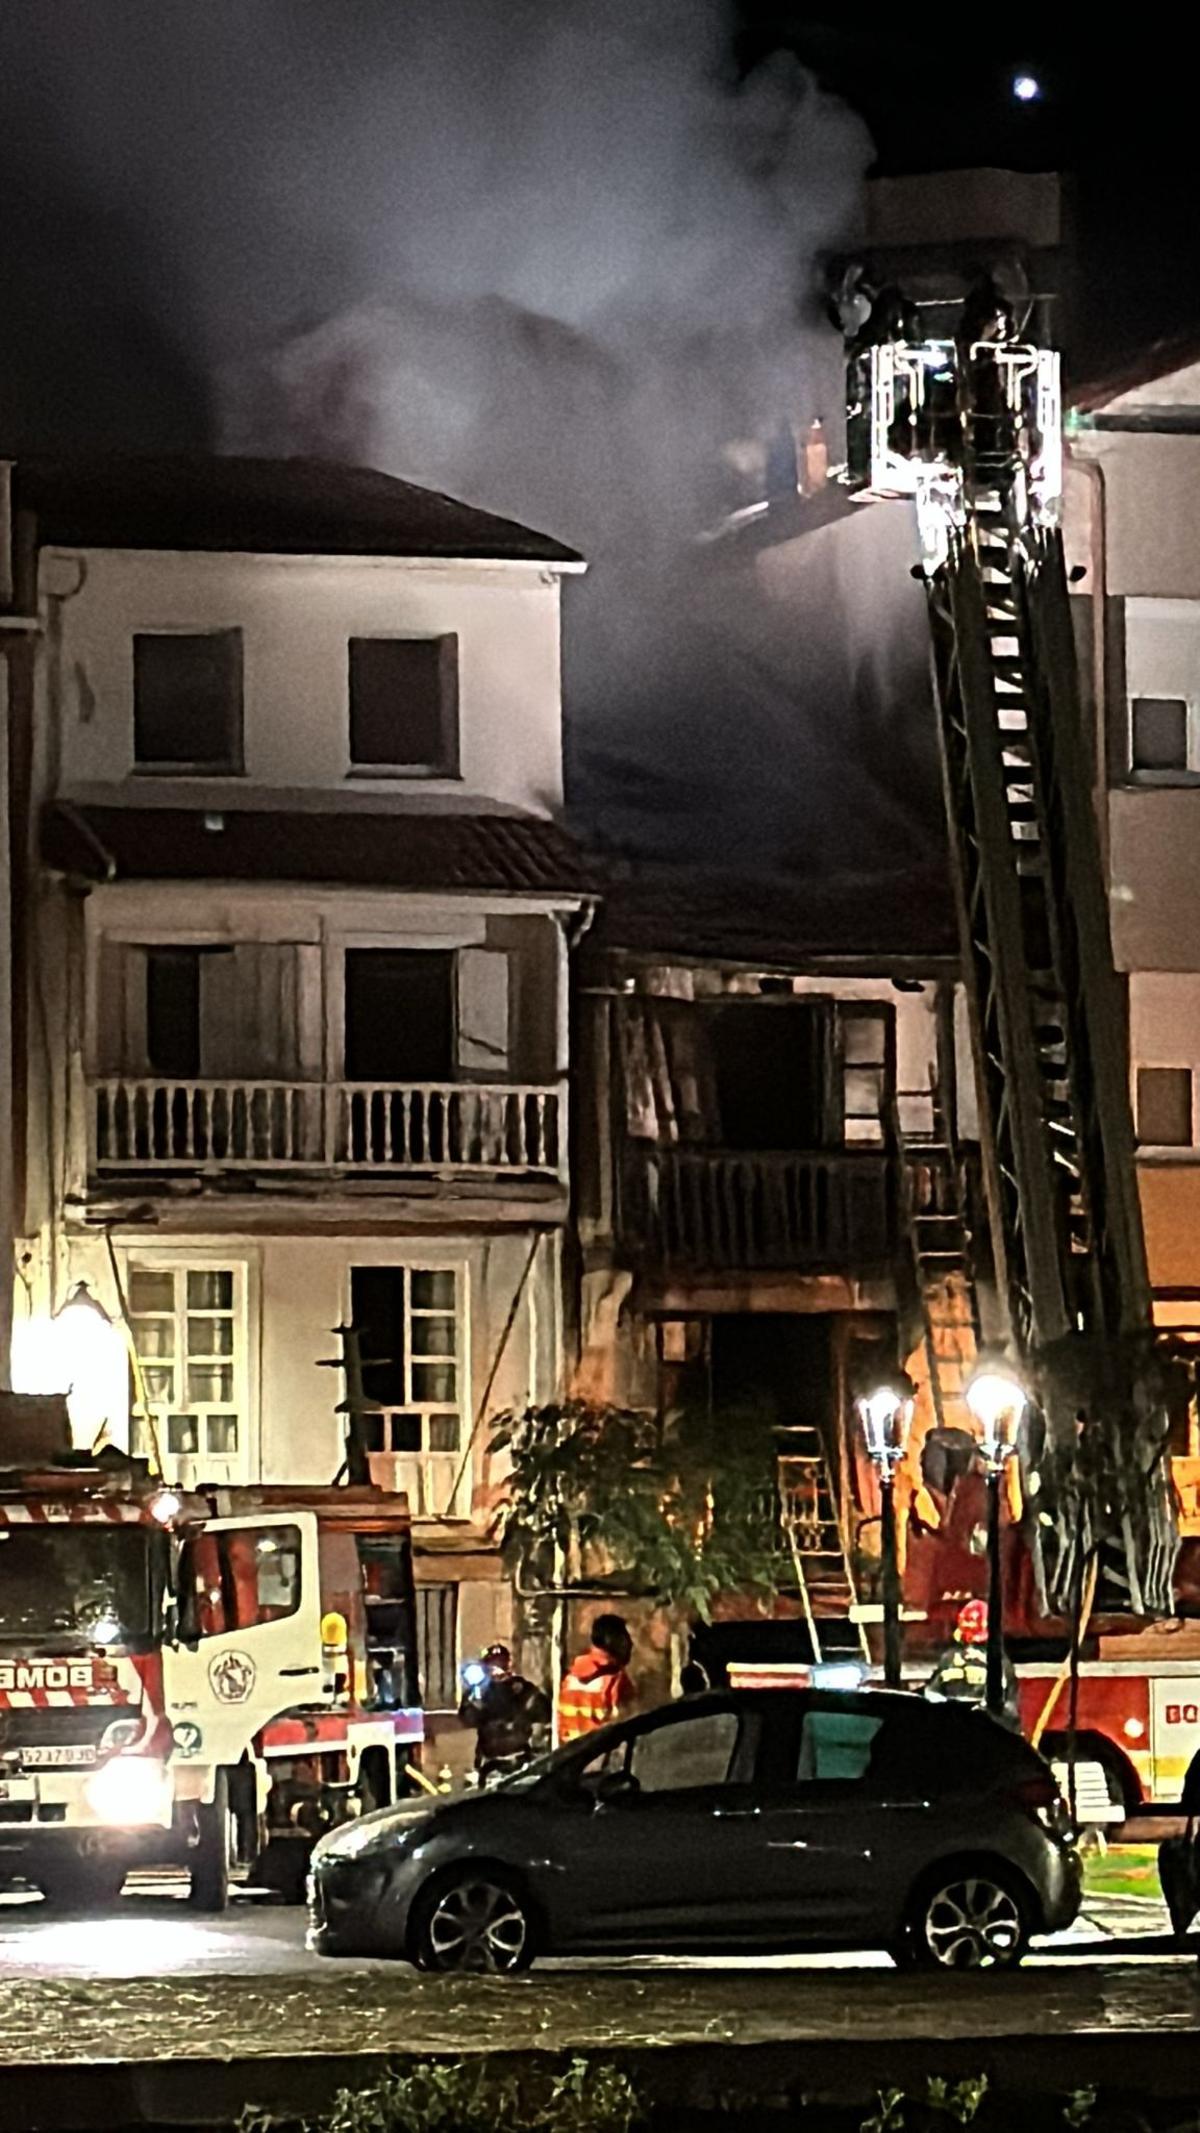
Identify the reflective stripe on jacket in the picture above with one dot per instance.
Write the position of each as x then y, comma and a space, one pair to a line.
594, 1692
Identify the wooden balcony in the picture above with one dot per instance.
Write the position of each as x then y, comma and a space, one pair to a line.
345, 1128
713, 1212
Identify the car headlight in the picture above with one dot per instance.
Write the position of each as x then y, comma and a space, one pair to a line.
122, 1733
352, 1840
129, 1791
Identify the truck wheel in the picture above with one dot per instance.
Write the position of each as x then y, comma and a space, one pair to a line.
209, 1889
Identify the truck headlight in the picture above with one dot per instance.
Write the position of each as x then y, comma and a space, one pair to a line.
130, 1791
122, 1733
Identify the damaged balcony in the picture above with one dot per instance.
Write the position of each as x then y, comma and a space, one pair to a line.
143, 1125
699, 1211
752, 1130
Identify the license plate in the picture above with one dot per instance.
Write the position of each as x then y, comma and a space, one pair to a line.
80, 1758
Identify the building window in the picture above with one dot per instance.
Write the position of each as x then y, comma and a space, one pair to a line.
866, 1035
1164, 1107
1158, 733
188, 1326
437, 1646
410, 1323
404, 705
187, 702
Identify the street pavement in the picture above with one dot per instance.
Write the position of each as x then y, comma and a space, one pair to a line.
151, 1932
152, 2016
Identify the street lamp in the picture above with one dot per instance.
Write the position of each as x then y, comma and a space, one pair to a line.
78, 1352
886, 1414
997, 1400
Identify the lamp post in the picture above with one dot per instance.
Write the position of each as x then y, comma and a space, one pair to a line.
997, 1400
886, 1415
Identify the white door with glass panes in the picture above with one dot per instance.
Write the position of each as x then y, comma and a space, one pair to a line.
189, 1328
412, 1325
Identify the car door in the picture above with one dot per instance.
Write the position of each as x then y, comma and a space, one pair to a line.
841, 1816
249, 1642
650, 1832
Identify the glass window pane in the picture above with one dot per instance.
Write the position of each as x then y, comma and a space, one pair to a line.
183, 1434
139, 1437
433, 1336
434, 1381
433, 1289
836, 1744
210, 1384
159, 1380
210, 1289
1164, 1107
404, 1433
221, 1433
690, 1751
864, 1039
1159, 733
151, 1291
154, 1336
443, 1433
210, 1336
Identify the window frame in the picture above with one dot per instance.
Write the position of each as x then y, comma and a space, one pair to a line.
232, 764
1166, 773
1179, 1149
448, 765
430, 1465
177, 1466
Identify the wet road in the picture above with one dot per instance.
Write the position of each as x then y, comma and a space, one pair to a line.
152, 1933
149, 2015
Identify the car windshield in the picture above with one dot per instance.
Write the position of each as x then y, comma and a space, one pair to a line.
67, 1584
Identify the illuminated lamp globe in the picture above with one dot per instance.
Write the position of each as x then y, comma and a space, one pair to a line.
78, 1352
997, 1400
1026, 88
886, 1414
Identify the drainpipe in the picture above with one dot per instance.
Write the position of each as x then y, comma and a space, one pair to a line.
1098, 572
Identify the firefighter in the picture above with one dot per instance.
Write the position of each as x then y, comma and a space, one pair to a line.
504, 1710
961, 1672
597, 1687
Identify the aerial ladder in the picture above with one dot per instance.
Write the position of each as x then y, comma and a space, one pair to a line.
971, 430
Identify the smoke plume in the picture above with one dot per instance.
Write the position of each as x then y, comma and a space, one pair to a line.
555, 259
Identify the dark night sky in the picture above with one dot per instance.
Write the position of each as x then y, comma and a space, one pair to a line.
555, 260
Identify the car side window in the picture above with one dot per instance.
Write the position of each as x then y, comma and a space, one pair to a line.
688, 1752
835, 1744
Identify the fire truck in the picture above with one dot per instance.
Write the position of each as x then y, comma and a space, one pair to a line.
200, 1680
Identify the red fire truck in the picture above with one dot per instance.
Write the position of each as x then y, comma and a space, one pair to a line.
204, 1680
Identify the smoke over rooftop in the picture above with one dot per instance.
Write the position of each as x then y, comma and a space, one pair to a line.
556, 260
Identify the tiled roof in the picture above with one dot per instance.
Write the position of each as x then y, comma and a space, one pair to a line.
200, 501
1159, 359
515, 854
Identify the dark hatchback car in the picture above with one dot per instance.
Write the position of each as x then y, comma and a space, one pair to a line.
740, 1821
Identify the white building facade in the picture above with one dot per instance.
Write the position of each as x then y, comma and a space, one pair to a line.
296, 986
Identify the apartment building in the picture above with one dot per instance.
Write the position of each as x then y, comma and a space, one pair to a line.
294, 1005
1134, 535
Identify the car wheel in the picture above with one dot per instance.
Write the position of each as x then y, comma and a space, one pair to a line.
967, 1918
476, 1921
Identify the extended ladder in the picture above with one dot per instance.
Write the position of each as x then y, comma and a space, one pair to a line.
824, 1577
1046, 1010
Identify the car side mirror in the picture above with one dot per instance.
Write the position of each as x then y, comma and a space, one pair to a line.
616, 1786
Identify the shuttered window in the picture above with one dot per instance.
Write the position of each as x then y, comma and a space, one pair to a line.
187, 701
437, 1646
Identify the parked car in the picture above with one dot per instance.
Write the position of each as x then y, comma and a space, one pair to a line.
737, 1821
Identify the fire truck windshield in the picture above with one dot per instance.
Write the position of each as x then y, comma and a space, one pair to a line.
66, 1585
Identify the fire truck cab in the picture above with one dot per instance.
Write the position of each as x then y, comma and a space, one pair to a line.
202, 1681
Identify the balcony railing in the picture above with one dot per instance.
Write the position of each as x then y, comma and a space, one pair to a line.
349, 1127
724, 1212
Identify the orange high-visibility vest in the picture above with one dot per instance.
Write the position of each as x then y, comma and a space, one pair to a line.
589, 1699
